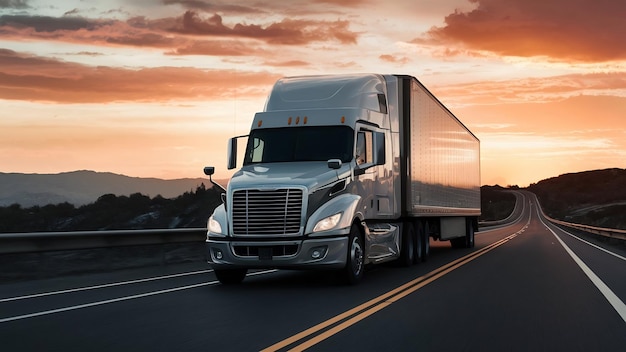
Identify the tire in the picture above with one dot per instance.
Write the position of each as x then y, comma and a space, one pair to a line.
419, 242
230, 276
470, 234
407, 251
355, 261
426, 242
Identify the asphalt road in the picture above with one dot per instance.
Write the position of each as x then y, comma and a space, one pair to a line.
526, 286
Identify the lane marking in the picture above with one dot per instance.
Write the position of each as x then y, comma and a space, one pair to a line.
120, 299
594, 245
354, 315
113, 284
615, 301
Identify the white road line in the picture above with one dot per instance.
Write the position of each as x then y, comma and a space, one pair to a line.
120, 299
596, 246
617, 303
103, 286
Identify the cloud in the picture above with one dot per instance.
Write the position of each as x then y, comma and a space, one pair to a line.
213, 7
217, 48
178, 34
564, 30
32, 78
14, 4
287, 31
536, 89
394, 59
290, 63
49, 24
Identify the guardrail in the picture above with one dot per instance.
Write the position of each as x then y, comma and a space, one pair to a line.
52, 241
600, 231
48, 254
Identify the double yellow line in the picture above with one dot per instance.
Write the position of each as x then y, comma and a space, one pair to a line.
328, 328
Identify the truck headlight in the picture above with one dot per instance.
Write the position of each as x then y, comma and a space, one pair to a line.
214, 226
327, 223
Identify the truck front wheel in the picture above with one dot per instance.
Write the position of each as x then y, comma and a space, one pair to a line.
230, 276
355, 264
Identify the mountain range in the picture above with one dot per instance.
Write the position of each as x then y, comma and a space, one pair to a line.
85, 187
595, 197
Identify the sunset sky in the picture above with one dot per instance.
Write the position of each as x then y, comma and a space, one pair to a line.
154, 88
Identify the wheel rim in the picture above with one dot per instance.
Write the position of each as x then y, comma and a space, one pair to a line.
356, 256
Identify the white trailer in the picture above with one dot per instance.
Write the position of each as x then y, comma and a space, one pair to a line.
344, 171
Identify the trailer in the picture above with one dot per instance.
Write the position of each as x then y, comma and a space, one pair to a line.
344, 171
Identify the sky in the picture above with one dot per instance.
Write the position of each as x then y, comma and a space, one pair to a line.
154, 88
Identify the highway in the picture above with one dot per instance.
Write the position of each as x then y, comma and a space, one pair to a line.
527, 285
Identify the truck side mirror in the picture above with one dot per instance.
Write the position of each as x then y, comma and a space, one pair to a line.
209, 171
378, 146
334, 164
232, 153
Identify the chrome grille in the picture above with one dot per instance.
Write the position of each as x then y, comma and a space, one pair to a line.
267, 212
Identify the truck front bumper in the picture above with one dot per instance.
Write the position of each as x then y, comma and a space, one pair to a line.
317, 253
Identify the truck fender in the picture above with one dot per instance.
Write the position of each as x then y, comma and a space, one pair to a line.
346, 204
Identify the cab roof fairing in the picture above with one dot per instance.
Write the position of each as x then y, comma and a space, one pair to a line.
360, 91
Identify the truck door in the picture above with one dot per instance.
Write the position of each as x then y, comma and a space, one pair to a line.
373, 178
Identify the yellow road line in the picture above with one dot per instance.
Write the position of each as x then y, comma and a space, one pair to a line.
372, 306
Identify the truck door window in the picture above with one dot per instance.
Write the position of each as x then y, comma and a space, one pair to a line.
364, 147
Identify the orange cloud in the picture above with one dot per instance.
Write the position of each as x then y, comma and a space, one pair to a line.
536, 89
213, 7
287, 31
590, 31
218, 48
32, 78
393, 59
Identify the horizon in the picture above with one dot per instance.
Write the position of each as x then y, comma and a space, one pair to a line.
154, 90
206, 178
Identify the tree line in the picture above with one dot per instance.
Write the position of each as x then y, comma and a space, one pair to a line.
112, 212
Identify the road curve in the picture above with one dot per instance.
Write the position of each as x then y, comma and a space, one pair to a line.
527, 285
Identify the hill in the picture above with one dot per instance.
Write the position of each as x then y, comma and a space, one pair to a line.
84, 187
596, 198
496, 203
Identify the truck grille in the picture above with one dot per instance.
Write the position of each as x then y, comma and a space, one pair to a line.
267, 212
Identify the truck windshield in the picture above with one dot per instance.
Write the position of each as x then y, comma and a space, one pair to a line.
310, 143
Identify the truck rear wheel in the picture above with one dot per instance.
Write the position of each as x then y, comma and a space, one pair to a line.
419, 242
230, 276
426, 242
355, 263
470, 234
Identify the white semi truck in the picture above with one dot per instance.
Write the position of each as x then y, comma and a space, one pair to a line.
342, 171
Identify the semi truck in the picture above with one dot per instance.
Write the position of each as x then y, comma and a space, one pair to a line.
344, 171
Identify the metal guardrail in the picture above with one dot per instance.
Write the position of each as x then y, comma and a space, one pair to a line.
600, 231
25, 256
54, 241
